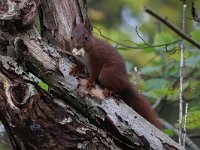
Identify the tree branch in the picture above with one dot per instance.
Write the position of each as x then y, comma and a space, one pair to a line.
34, 119
188, 140
109, 113
173, 28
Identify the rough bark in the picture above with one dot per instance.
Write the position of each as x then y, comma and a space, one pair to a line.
58, 119
57, 18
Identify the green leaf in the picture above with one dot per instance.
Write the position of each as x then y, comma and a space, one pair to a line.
177, 55
156, 88
195, 35
43, 85
158, 93
193, 90
163, 38
153, 84
193, 61
149, 50
193, 120
175, 95
176, 92
169, 132
195, 108
172, 70
161, 92
151, 70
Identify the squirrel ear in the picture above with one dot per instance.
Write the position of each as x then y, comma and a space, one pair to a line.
88, 25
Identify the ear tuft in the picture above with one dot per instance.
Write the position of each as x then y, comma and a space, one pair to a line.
88, 25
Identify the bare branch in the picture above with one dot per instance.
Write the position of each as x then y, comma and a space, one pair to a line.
181, 136
185, 123
160, 45
188, 140
137, 78
133, 47
194, 136
173, 28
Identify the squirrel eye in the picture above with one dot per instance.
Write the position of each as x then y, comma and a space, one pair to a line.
71, 37
86, 37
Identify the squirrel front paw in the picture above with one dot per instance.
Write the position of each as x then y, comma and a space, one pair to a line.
90, 84
107, 92
76, 70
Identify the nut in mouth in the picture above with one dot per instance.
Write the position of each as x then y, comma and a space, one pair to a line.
78, 52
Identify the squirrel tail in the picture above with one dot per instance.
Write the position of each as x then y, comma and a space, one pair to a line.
140, 105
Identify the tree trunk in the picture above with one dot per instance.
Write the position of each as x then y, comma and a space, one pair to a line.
68, 116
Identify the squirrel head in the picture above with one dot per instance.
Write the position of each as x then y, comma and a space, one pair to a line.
81, 37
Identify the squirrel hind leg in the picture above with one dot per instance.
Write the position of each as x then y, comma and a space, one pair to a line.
107, 92
112, 79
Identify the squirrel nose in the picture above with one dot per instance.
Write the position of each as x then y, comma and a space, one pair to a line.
78, 46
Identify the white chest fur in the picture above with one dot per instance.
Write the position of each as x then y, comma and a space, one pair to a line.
82, 56
85, 61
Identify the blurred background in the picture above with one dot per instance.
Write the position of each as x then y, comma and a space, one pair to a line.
125, 25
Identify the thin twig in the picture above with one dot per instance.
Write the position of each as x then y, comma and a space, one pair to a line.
158, 102
185, 123
181, 136
167, 51
141, 36
188, 140
194, 136
160, 45
173, 28
135, 47
123, 46
137, 78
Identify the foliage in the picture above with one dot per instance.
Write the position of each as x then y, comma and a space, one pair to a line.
159, 65
43, 86
170, 133
193, 120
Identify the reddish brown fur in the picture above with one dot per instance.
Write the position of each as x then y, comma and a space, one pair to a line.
107, 66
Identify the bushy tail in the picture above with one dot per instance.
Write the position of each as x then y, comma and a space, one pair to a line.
140, 105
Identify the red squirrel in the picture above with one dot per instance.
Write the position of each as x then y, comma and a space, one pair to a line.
105, 64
